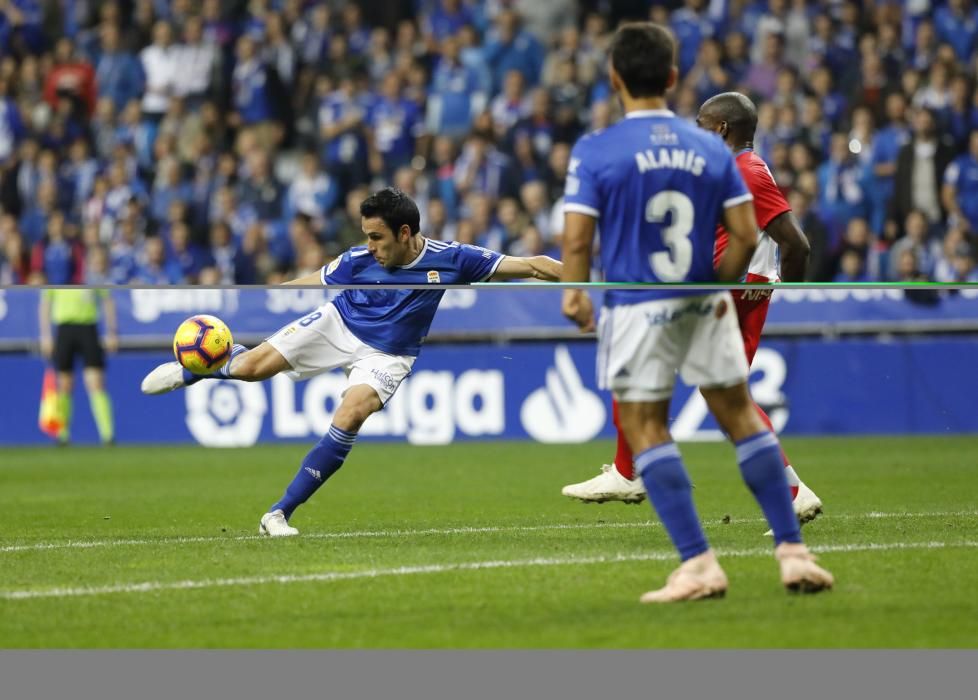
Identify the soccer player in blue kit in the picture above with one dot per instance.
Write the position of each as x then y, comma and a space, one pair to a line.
660, 186
373, 335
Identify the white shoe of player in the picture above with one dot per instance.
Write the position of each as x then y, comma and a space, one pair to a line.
696, 579
274, 524
609, 485
799, 572
807, 506
163, 379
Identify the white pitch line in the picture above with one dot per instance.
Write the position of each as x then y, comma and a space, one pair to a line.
330, 576
465, 530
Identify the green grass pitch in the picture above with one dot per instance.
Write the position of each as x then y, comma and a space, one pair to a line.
471, 545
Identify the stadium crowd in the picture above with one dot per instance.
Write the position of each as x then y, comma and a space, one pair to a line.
163, 142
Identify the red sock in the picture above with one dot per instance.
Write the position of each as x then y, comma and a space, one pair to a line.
623, 457
784, 457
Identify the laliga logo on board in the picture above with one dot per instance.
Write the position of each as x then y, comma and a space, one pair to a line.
224, 413
563, 410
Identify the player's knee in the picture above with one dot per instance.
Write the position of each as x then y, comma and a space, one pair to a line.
253, 365
66, 382
359, 404
734, 411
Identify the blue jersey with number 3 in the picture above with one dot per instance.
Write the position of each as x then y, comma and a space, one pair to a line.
658, 186
396, 321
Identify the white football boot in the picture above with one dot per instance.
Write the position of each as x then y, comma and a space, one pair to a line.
274, 524
696, 579
806, 504
165, 378
609, 485
799, 572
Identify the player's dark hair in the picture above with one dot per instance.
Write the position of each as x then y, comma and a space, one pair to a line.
394, 207
642, 54
737, 110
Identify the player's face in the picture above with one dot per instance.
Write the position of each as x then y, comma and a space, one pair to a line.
382, 243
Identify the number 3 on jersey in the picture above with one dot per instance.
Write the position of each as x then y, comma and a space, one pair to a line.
672, 265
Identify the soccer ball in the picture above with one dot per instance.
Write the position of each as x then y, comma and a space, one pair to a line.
202, 344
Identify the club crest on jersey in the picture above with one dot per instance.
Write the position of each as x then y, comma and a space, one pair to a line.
332, 266
433, 277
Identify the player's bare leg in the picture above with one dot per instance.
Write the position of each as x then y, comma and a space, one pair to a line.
323, 460
617, 481
65, 383
663, 475
255, 365
100, 403
758, 454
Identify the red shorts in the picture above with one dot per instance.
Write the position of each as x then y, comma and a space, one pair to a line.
751, 305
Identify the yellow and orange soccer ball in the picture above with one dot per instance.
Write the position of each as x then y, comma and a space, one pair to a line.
202, 344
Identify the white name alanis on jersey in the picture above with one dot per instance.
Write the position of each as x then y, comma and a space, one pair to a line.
673, 158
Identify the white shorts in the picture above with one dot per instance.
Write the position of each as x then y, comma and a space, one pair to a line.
642, 346
320, 342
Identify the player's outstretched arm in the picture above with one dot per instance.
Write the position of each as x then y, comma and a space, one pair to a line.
312, 279
785, 230
741, 225
578, 239
538, 267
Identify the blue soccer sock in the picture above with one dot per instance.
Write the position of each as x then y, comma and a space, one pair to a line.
223, 373
321, 463
671, 493
762, 467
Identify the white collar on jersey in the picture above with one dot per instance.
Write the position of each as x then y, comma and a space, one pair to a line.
424, 249
649, 113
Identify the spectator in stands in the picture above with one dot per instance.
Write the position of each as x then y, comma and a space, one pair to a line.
916, 241
160, 66
341, 116
840, 187
59, 258
260, 190
921, 164
171, 141
199, 61
456, 94
118, 73
155, 268
509, 47
945, 269
312, 193
394, 125
886, 147
960, 192
482, 168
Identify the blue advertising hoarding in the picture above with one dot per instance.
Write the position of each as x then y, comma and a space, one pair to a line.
153, 314
543, 391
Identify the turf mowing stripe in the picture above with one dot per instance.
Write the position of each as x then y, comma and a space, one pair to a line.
489, 529
329, 576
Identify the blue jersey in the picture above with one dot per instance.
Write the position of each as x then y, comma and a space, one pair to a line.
658, 186
396, 321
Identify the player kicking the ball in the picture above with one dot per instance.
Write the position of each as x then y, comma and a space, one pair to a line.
660, 186
734, 117
373, 335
